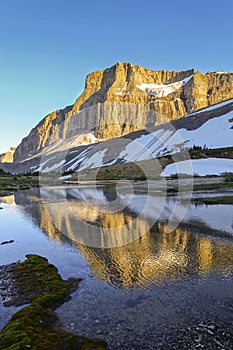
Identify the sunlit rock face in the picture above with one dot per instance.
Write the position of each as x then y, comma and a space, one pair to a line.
122, 99
8, 156
8, 200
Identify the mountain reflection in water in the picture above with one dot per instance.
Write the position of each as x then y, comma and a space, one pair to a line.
136, 255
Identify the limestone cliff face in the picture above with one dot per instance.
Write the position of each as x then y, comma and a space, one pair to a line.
207, 89
126, 98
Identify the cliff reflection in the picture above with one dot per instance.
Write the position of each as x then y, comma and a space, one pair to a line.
151, 256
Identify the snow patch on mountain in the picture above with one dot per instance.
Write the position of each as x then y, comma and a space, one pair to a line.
201, 167
215, 133
161, 90
77, 140
95, 161
156, 144
121, 91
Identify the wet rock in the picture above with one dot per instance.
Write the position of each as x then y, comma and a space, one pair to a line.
208, 336
7, 242
212, 327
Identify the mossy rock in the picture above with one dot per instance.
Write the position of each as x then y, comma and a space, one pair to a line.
37, 326
37, 280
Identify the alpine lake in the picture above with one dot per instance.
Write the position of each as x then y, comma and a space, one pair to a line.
157, 269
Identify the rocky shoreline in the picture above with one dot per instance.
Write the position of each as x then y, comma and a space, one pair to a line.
206, 336
6, 283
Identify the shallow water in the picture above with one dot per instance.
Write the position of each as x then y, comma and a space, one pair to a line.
141, 281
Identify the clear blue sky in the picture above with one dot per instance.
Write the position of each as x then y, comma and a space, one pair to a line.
49, 46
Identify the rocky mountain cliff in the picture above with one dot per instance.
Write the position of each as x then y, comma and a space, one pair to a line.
122, 99
8, 156
209, 130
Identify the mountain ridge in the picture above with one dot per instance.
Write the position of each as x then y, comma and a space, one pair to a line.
175, 139
126, 98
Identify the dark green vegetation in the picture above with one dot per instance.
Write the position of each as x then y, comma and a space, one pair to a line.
213, 186
228, 177
10, 183
215, 200
196, 153
37, 326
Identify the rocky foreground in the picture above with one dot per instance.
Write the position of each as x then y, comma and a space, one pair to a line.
37, 326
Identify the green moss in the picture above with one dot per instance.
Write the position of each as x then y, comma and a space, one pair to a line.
37, 280
37, 326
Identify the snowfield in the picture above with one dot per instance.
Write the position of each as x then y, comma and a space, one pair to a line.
215, 133
201, 167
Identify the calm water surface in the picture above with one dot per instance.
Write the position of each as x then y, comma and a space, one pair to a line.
141, 281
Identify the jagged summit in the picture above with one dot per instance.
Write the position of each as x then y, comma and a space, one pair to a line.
121, 83
122, 99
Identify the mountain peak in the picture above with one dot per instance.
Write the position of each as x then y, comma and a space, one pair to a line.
117, 100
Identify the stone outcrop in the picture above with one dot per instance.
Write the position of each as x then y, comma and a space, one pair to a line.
8, 156
126, 98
